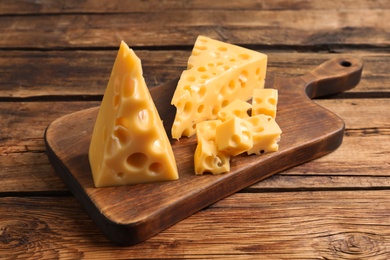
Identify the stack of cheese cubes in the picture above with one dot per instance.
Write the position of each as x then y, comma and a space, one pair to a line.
211, 101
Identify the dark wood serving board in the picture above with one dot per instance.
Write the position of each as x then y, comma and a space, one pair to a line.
131, 214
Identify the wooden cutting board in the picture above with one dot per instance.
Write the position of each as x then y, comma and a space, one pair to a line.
131, 214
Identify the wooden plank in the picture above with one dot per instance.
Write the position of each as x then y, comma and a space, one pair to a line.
363, 152
24, 166
325, 182
298, 28
85, 73
117, 6
287, 225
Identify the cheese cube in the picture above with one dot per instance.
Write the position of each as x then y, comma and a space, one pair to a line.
206, 130
217, 73
264, 101
207, 158
129, 144
238, 108
234, 136
266, 134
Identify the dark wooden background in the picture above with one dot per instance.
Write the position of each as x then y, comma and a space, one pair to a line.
56, 57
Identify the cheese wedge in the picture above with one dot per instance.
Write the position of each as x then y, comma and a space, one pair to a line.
129, 144
217, 73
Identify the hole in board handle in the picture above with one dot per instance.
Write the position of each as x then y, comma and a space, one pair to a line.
345, 63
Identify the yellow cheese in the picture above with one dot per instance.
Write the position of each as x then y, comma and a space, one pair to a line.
264, 101
234, 136
207, 158
238, 108
129, 144
217, 73
266, 134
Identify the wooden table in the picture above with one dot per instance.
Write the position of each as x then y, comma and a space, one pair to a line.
56, 56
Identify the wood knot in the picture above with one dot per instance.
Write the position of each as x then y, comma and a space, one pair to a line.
353, 245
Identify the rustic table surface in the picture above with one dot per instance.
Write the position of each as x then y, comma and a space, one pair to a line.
56, 57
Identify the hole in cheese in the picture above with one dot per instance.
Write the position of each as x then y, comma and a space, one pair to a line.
129, 87
202, 69
272, 101
244, 56
201, 47
243, 78
157, 146
215, 110
237, 113
257, 100
202, 91
116, 100
155, 168
191, 78
235, 140
122, 135
196, 52
232, 85
145, 119
187, 107
122, 121
222, 48
137, 161
225, 103
261, 111
200, 108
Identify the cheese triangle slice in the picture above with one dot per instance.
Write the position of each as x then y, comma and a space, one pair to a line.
129, 144
217, 73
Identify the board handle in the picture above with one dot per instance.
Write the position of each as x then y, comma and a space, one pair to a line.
333, 76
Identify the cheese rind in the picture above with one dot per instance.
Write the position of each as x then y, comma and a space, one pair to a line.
266, 134
264, 101
217, 73
234, 136
129, 144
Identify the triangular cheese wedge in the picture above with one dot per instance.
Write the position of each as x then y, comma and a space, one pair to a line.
129, 144
217, 73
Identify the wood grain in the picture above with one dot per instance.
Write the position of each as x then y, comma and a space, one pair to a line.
67, 142
318, 29
55, 57
118, 6
317, 225
64, 75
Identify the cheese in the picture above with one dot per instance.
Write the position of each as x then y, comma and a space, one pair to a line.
264, 101
266, 134
234, 136
217, 73
238, 108
207, 157
129, 144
